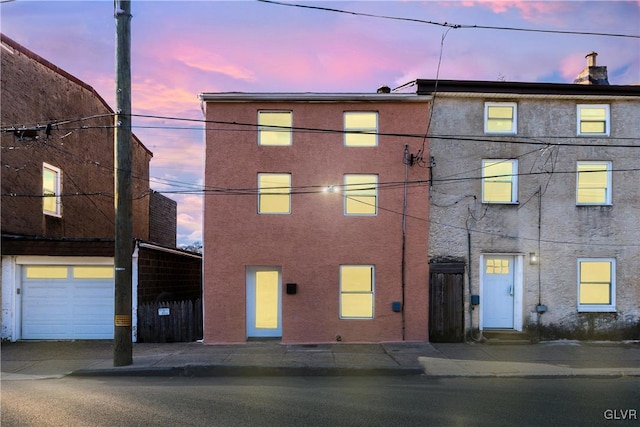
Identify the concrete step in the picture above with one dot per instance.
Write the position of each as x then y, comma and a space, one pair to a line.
505, 337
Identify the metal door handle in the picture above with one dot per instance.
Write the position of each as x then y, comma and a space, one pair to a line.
511, 290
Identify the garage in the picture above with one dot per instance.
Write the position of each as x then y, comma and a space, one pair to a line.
67, 301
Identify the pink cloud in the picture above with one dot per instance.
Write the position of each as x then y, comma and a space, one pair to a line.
534, 11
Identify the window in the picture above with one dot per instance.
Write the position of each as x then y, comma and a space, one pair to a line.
361, 129
360, 194
274, 193
356, 291
46, 272
593, 120
499, 181
500, 117
274, 127
593, 183
596, 284
51, 190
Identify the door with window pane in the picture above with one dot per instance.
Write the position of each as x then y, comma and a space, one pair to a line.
498, 292
264, 302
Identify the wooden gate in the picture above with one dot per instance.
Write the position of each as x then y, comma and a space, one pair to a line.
446, 303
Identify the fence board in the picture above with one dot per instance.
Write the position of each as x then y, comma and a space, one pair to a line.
182, 324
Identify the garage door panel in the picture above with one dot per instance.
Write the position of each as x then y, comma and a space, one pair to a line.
67, 308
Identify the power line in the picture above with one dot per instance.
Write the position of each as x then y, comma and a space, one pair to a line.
447, 24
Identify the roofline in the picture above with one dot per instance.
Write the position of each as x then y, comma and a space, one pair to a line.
311, 97
428, 86
34, 56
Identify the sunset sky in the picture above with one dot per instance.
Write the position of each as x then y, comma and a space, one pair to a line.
180, 49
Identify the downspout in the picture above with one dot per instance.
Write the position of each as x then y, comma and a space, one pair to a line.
404, 233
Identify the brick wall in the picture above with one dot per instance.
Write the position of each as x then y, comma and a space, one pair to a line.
165, 276
162, 219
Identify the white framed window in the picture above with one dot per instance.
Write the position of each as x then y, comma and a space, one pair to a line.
360, 194
597, 284
356, 291
593, 183
360, 128
501, 118
593, 120
274, 127
500, 181
274, 193
51, 190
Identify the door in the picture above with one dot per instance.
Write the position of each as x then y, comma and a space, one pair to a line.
264, 302
498, 275
446, 304
67, 302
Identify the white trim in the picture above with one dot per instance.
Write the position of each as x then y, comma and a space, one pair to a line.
62, 260
607, 125
311, 97
373, 292
518, 292
597, 308
608, 198
514, 181
362, 130
57, 191
514, 121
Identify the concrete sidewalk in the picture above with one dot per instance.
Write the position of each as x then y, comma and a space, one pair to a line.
54, 359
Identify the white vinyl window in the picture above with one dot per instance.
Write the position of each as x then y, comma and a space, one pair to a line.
500, 181
593, 183
360, 194
51, 189
597, 284
360, 129
274, 193
356, 291
500, 118
274, 128
593, 120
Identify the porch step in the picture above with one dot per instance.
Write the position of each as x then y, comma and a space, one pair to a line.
506, 337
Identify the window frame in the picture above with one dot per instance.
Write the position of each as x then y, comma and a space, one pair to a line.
270, 128
371, 292
514, 181
607, 119
514, 120
360, 130
347, 193
607, 308
608, 189
57, 191
261, 193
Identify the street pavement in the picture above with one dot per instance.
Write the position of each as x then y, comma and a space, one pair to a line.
55, 359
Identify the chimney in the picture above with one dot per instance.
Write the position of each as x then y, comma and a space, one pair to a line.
592, 74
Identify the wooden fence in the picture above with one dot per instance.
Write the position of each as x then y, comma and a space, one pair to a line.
170, 321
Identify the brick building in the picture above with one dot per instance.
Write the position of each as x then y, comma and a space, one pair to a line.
315, 228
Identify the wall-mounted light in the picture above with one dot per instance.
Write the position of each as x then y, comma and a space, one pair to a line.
533, 258
330, 189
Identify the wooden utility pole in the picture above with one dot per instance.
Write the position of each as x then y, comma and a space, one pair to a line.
122, 339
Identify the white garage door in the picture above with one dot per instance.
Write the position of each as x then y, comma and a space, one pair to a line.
67, 302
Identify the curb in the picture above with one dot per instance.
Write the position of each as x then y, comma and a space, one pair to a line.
243, 371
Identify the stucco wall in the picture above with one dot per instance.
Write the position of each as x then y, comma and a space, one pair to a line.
313, 241
567, 232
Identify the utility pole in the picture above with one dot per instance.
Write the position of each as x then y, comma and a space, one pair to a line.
122, 339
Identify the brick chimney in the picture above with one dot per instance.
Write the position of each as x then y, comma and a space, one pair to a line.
592, 74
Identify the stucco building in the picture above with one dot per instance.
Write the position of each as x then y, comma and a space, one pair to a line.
315, 217
535, 207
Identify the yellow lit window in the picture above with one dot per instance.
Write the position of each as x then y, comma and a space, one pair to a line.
50, 190
93, 272
497, 266
596, 285
274, 127
593, 119
274, 193
593, 183
356, 291
499, 181
360, 129
500, 117
46, 272
360, 194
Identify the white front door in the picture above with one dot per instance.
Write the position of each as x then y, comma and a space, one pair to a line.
264, 303
498, 274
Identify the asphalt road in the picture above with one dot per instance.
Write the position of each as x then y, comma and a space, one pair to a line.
320, 401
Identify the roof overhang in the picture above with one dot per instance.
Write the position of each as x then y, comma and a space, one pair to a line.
311, 97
